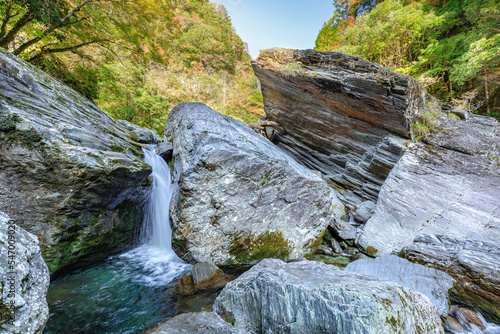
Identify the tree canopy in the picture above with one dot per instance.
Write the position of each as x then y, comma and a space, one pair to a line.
452, 47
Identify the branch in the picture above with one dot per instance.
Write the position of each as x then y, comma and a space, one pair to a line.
73, 48
7, 18
77, 9
29, 43
24, 20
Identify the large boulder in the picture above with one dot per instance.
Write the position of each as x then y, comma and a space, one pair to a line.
68, 173
24, 278
441, 202
239, 197
430, 282
342, 115
312, 297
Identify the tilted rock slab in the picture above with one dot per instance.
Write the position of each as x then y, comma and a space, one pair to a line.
24, 278
239, 197
68, 173
430, 282
312, 297
448, 188
343, 116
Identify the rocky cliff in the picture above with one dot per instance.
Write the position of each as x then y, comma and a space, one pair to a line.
68, 173
436, 199
342, 115
240, 198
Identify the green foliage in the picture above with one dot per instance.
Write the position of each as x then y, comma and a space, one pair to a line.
392, 34
452, 47
424, 125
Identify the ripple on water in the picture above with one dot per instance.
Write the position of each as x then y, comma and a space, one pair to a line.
127, 293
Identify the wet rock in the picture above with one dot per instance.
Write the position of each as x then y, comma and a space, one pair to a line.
143, 135
201, 323
68, 173
336, 260
430, 282
324, 250
440, 202
165, 150
240, 198
343, 116
475, 266
24, 278
203, 276
336, 246
265, 299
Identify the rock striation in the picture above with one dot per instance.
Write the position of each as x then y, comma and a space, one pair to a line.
24, 278
311, 297
440, 206
200, 323
68, 173
474, 264
142, 135
430, 282
239, 197
342, 115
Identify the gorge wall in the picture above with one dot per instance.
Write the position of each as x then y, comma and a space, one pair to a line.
69, 174
433, 201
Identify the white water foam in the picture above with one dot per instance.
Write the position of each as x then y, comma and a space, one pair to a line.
159, 263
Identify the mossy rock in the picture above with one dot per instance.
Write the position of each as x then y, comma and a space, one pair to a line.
252, 249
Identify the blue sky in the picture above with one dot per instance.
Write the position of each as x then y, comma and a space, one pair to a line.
278, 23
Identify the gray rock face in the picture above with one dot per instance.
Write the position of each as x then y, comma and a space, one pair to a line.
144, 135
311, 297
474, 264
240, 198
24, 278
165, 150
201, 323
430, 282
68, 173
449, 187
343, 116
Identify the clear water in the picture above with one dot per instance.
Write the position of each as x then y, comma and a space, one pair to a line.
131, 292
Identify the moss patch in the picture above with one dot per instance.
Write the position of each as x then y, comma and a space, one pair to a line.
371, 251
270, 244
82, 243
313, 245
117, 148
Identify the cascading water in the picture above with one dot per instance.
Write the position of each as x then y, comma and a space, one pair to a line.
156, 226
131, 292
161, 265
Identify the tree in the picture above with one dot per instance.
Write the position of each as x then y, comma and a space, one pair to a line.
344, 17
40, 27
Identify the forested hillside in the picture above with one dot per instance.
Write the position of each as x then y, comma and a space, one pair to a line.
452, 47
137, 60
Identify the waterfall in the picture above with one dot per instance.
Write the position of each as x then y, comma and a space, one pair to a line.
156, 229
158, 262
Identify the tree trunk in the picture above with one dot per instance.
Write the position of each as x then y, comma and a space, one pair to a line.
11, 35
486, 90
